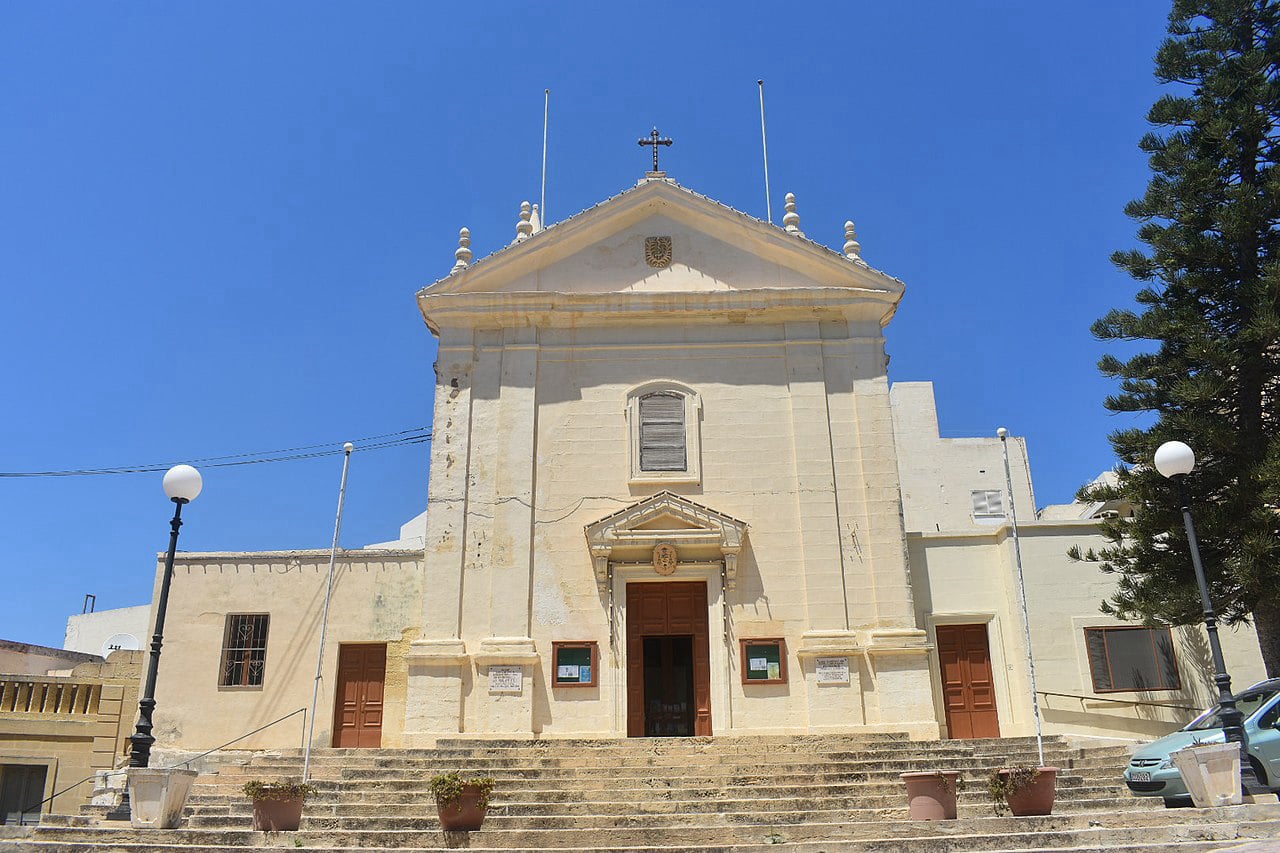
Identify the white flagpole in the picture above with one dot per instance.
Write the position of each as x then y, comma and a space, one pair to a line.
324, 618
764, 143
1003, 435
546, 114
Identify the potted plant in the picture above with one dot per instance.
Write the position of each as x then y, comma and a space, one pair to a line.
277, 806
461, 803
931, 794
1023, 790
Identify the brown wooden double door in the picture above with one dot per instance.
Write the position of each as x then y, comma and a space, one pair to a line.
668, 660
362, 675
968, 690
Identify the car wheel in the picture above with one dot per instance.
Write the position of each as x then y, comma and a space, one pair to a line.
1259, 771
1179, 803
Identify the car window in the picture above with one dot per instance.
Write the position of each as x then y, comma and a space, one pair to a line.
1247, 702
1268, 719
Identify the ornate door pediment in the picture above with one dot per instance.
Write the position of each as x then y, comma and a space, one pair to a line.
695, 531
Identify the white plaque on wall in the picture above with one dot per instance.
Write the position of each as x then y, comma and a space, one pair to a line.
832, 670
506, 679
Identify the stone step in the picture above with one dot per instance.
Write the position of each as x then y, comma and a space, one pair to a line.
644, 762
922, 845
658, 788
498, 819
418, 807
985, 834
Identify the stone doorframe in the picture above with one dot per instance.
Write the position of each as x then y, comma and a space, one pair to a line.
706, 544
717, 627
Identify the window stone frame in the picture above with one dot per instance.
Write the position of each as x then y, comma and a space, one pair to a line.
692, 472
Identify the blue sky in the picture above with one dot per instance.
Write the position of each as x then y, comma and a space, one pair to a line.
214, 218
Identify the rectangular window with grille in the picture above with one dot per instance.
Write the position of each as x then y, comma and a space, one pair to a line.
244, 650
1127, 659
662, 437
988, 503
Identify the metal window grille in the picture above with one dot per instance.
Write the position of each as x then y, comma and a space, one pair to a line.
1130, 659
662, 436
244, 650
988, 503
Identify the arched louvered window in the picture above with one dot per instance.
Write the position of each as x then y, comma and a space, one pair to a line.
664, 420
662, 433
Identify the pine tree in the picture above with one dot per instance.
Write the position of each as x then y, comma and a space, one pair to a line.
1210, 304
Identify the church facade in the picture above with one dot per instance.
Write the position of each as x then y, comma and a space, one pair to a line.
672, 494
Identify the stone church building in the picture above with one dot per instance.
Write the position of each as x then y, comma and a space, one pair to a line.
672, 493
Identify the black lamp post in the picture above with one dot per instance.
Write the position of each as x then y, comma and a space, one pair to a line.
1175, 460
182, 484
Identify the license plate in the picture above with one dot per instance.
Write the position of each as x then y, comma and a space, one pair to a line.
1140, 777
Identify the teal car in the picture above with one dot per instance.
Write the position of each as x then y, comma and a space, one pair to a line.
1151, 772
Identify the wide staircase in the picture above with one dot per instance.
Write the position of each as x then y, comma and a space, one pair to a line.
804, 793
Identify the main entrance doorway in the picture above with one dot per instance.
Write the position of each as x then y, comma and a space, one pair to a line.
968, 690
668, 660
357, 716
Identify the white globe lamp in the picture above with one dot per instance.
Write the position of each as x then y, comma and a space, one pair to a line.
182, 483
1174, 458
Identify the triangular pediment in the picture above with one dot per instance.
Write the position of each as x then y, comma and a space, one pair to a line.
713, 247
666, 521
694, 530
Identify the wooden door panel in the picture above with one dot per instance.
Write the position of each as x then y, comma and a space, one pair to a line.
666, 609
968, 687
362, 671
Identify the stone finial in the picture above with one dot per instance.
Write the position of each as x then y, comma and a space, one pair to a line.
852, 248
791, 221
463, 254
536, 219
524, 228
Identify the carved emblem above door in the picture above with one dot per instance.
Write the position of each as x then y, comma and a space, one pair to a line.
665, 559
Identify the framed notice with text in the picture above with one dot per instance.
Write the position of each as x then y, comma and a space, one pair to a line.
764, 661
506, 679
574, 664
832, 670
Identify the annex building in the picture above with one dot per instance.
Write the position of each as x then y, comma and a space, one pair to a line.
673, 493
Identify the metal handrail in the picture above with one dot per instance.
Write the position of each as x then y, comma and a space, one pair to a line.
1119, 701
23, 814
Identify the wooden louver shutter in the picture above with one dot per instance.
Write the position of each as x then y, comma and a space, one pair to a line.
662, 433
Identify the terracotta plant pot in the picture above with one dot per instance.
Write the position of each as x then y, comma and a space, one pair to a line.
931, 795
1035, 798
277, 815
466, 813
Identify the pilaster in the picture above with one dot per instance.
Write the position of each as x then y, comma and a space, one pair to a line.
819, 534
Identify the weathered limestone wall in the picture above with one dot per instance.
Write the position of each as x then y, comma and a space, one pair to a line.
73, 725
377, 598
533, 444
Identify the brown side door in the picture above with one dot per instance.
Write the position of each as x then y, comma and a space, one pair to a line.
661, 610
362, 675
968, 689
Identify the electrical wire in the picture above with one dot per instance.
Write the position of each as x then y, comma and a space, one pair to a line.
384, 441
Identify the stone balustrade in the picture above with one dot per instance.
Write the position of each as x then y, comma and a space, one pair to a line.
58, 696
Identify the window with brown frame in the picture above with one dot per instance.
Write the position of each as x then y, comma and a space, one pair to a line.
244, 650
764, 661
574, 664
1131, 659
